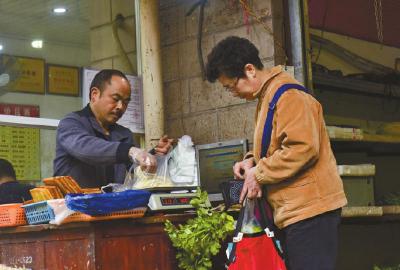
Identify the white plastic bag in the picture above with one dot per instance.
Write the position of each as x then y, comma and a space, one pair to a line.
182, 165
176, 168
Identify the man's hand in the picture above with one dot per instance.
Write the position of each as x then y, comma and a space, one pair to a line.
251, 187
240, 168
147, 161
164, 145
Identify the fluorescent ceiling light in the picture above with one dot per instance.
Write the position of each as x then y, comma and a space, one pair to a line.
59, 10
37, 44
1, 47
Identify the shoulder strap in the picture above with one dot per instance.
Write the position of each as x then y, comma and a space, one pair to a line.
266, 138
238, 228
268, 225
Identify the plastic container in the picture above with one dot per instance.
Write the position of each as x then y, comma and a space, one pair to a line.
133, 213
38, 213
12, 215
81, 217
77, 217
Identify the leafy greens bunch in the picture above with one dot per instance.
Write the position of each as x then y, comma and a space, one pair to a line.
199, 239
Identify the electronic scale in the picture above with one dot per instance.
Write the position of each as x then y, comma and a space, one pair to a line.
171, 201
214, 165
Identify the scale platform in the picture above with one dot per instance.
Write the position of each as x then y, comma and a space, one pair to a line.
171, 201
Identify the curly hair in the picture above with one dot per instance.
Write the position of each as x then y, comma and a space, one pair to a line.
230, 56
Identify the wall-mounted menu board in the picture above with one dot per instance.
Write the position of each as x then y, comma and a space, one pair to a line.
21, 146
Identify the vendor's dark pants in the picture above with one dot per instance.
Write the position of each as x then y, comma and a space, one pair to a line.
312, 244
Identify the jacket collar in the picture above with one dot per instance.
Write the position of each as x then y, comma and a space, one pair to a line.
270, 73
87, 112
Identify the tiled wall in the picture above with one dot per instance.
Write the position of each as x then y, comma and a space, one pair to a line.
104, 53
195, 107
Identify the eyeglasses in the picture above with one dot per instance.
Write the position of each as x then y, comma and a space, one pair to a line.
230, 88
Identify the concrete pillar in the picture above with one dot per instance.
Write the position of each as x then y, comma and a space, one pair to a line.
297, 42
151, 71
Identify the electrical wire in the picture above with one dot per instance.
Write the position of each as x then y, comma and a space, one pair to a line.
322, 30
249, 11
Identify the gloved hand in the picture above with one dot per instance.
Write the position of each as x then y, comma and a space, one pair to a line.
146, 161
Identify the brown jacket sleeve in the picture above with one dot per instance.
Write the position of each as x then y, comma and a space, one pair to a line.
296, 141
248, 155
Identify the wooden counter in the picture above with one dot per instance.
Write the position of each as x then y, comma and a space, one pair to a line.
116, 244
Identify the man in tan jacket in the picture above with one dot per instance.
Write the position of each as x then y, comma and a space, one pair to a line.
299, 169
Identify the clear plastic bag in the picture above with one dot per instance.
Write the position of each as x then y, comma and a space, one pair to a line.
251, 223
138, 179
177, 168
60, 209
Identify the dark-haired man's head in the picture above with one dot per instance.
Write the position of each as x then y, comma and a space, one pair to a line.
110, 93
234, 62
102, 78
7, 172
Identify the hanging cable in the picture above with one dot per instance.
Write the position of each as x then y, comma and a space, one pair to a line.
249, 11
202, 4
118, 22
322, 30
379, 20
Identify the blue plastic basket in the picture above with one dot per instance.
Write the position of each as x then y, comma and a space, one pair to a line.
38, 213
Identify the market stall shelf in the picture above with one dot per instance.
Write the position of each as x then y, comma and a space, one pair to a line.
139, 244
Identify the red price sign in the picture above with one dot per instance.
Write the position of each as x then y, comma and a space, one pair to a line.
19, 110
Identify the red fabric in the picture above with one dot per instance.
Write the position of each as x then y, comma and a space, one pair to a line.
356, 18
257, 253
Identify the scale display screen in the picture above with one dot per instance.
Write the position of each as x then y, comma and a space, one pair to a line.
171, 201
168, 201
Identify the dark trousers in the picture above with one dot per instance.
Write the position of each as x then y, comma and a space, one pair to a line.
312, 244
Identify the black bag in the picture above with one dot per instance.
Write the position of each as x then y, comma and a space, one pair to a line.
231, 192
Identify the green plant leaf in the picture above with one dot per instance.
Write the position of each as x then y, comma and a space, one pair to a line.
200, 238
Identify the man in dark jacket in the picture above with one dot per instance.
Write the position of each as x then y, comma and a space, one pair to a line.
11, 191
91, 147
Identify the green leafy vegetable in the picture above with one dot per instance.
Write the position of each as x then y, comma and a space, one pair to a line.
200, 238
